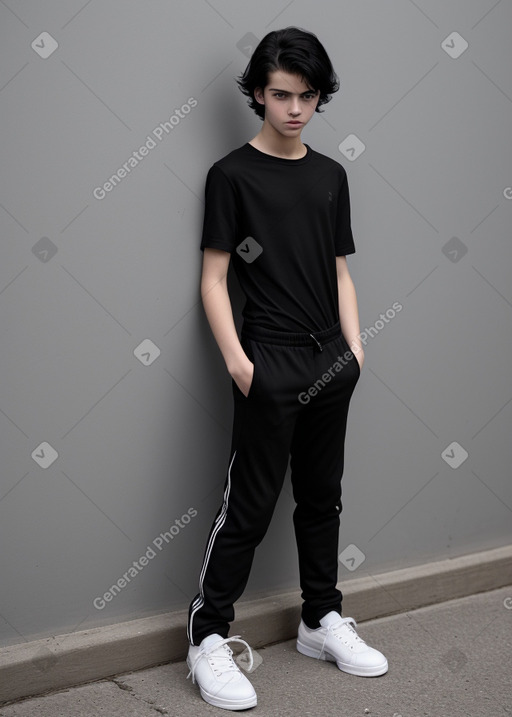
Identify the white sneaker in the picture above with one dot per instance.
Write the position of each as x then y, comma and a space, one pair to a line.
337, 641
219, 678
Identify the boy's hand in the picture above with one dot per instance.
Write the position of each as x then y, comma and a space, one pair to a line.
242, 375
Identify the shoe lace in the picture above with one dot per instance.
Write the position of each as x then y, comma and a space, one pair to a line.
339, 630
226, 654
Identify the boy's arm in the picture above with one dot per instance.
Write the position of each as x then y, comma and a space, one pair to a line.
217, 305
349, 315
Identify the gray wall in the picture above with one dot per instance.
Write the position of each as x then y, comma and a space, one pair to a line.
142, 430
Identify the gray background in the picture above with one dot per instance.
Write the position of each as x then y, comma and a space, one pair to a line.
142, 441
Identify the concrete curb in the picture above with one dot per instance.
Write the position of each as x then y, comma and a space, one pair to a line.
66, 660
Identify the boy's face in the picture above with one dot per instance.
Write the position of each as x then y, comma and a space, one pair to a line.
289, 102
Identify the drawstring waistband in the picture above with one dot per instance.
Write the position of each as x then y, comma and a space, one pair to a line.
285, 338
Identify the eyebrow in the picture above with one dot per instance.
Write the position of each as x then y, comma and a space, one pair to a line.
286, 92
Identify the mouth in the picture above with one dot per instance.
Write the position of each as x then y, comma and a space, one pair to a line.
294, 123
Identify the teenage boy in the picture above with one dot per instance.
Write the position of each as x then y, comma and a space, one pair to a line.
280, 212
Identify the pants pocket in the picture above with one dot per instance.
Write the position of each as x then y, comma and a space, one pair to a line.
346, 361
247, 346
349, 356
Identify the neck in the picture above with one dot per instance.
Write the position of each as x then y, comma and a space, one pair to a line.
271, 142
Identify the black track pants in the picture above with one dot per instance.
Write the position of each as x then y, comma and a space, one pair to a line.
297, 406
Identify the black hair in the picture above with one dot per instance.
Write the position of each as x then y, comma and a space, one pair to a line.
295, 51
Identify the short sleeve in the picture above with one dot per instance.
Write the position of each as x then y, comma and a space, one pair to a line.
221, 212
344, 241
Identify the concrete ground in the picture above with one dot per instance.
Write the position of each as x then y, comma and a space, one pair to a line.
451, 659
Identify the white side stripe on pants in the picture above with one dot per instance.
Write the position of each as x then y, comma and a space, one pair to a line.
221, 519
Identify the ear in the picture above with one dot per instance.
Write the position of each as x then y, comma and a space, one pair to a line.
258, 95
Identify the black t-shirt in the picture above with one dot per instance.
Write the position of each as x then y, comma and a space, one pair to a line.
284, 221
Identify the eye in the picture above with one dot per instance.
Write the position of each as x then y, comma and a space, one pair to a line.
279, 95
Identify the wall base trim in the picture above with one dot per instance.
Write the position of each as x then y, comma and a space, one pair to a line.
67, 660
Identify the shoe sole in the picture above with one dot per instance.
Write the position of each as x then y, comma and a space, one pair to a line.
350, 669
228, 704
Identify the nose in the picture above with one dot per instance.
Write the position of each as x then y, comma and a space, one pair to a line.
294, 107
